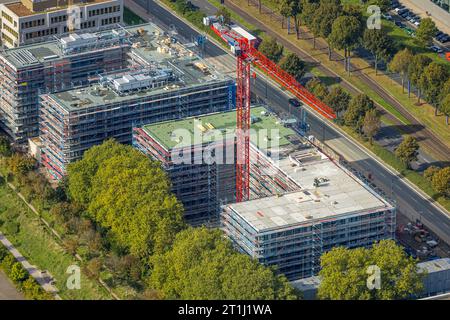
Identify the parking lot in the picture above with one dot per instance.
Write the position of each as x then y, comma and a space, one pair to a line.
404, 17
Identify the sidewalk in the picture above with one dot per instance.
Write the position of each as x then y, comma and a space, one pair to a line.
7, 289
440, 17
35, 273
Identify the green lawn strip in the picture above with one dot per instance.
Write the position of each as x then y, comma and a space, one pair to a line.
131, 18
38, 246
390, 158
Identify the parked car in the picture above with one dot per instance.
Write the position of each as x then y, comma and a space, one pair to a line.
438, 34
387, 16
436, 49
399, 24
399, 8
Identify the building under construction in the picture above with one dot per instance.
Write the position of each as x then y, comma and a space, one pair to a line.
170, 83
53, 66
199, 155
331, 207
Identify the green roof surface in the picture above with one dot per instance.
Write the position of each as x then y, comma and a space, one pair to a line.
166, 132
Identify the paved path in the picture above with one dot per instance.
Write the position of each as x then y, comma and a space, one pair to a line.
32, 270
439, 15
7, 289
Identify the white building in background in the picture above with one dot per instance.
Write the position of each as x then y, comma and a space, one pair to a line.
29, 21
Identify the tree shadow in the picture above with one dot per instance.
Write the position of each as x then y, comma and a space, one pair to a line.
406, 128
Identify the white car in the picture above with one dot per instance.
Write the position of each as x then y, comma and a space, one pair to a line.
417, 23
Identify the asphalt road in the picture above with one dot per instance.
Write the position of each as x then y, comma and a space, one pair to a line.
409, 202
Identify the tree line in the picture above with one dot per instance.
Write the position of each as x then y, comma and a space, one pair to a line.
116, 211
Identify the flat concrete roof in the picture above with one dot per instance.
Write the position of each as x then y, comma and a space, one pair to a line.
189, 69
164, 132
50, 51
340, 193
20, 10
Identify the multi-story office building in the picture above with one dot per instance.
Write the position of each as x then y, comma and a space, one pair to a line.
29, 21
28, 71
172, 83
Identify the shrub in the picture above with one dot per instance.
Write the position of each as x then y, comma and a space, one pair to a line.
7, 263
18, 272
12, 227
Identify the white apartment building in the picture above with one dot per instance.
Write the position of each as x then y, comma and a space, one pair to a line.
29, 21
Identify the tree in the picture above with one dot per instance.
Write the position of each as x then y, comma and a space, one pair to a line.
357, 108
317, 88
417, 65
429, 172
425, 32
344, 273
271, 49
372, 124
407, 150
285, 8
400, 64
20, 165
296, 12
308, 14
226, 15
338, 100
379, 44
293, 65
431, 82
81, 173
18, 273
441, 181
383, 4
93, 268
129, 195
5, 147
327, 12
445, 107
202, 264
345, 35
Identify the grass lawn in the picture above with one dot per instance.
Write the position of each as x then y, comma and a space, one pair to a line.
131, 18
39, 247
389, 158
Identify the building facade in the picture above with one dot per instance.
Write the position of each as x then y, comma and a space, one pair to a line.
54, 66
29, 21
292, 229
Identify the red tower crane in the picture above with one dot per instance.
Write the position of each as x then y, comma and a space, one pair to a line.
242, 44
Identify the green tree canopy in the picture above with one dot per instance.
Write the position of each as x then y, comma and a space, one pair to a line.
5, 147
317, 88
337, 99
345, 34
293, 65
429, 172
371, 124
225, 13
425, 32
400, 63
271, 49
431, 82
379, 44
344, 273
445, 107
129, 195
327, 12
407, 150
203, 265
415, 70
357, 108
441, 181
